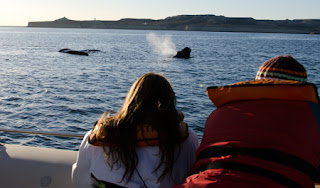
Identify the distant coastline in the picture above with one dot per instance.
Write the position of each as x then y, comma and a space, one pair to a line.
210, 22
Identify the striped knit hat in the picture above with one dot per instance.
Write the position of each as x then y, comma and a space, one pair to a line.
282, 68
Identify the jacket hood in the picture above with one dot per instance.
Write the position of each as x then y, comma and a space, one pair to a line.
263, 89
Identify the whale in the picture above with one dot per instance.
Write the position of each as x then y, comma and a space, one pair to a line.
77, 52
68, 51
184, 53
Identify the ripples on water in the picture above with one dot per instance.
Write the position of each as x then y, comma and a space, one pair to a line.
44, 90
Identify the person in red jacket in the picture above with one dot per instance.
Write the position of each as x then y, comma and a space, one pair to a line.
264, 133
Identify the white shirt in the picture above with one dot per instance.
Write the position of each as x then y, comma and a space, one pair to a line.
91, 159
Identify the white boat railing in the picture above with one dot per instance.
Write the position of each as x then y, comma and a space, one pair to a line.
73, 135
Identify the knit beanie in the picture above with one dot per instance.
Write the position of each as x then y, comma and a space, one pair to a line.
282, 68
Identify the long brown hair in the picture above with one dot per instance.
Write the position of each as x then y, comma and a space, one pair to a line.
150, 101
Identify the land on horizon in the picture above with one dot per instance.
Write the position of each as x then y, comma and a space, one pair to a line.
208, 22
20, 12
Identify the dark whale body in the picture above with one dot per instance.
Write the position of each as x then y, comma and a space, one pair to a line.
184, 53
76, 52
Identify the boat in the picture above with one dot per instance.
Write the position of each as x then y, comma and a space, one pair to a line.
28, 166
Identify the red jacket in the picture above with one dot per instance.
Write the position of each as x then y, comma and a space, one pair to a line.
261, 135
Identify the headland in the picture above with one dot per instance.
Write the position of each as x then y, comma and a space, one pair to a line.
193, 23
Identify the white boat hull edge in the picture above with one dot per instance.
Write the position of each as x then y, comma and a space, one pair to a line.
32, 167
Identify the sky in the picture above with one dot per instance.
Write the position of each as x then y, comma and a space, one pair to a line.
20, 12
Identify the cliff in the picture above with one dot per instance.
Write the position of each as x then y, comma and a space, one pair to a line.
194, 23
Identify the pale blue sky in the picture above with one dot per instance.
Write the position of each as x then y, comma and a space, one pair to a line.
20, 12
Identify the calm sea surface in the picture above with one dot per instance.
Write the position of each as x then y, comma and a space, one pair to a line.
44, 90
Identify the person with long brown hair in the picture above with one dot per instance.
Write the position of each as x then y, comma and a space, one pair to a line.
145, 144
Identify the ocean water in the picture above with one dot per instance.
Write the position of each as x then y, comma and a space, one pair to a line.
44, 90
